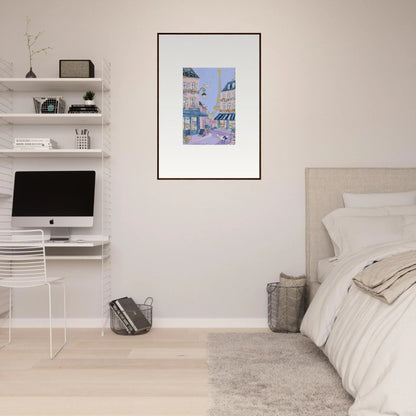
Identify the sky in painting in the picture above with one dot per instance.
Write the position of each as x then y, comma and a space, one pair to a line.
210, 76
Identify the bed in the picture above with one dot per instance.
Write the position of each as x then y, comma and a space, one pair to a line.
371, 344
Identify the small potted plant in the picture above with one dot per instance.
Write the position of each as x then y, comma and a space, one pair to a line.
89, 98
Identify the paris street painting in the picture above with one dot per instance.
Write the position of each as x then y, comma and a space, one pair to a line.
209, 106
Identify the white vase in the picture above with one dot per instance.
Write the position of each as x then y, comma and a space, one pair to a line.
89, 102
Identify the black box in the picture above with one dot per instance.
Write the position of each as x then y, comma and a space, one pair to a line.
76, 68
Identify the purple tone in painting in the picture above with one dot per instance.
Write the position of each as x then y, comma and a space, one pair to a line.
209, 106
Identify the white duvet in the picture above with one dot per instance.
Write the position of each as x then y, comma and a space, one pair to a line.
371, 344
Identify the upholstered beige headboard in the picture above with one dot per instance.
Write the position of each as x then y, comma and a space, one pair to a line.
324, 188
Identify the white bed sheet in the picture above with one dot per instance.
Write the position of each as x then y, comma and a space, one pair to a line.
325, 267
371, 344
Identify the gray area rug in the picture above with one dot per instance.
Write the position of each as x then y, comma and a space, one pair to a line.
262, 374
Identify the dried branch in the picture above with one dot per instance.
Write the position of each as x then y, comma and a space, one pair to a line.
31, 40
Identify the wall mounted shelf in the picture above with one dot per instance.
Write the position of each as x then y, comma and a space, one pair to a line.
94, 246
72, 258
77, 153
53, 84
52, 119
70, 244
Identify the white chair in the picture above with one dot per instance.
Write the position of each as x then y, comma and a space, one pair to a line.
23, 265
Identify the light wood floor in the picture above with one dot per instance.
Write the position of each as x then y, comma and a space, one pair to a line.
162, 373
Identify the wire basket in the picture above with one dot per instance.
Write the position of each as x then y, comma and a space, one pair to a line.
146, 308
49, 105
286, 303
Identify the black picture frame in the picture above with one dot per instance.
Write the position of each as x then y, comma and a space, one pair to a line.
258, 175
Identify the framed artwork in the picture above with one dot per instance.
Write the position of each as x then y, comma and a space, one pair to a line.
208, 106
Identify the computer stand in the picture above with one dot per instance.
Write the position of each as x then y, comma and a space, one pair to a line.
60, 234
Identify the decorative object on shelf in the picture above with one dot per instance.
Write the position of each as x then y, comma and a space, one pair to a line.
30, 74
33, 144
83, 140
49, 105
30, 42
89, 98
76, 68
129, 318
205, 99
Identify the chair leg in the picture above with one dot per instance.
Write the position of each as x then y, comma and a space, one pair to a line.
64, 293
10, 315
52, 355
9, 319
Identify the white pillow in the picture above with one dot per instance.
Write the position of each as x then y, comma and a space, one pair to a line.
379, 200
409, 227
332, 223
355, 233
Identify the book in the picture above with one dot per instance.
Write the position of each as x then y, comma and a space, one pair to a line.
30, 145
82, 108
34, 143
32, 149
23, 140
31, 141
133, 314
121, 317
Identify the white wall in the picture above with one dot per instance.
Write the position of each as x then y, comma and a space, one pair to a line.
338, 89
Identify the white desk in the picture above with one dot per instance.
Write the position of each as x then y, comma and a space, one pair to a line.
75, 243
76, 249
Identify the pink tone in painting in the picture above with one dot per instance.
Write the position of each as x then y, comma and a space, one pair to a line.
190, 92
209, 97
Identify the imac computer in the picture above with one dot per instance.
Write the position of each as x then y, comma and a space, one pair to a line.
54, 199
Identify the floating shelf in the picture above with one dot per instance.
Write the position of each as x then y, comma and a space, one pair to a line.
81, 153
69, 244
52, 84
52, 119
70, 258
63, 244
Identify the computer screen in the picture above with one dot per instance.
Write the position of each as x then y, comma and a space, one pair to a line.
53, 198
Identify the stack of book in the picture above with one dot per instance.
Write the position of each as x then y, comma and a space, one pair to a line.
130, 315
34, 144
82, 108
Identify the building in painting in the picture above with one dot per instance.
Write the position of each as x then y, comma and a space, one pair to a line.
226, 117
195, 114
204, 116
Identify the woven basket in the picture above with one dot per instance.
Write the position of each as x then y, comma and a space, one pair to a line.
286, 303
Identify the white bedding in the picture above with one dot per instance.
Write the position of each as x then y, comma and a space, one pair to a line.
325, 267
371, 344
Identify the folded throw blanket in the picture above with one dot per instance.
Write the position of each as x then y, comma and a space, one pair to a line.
389, 278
